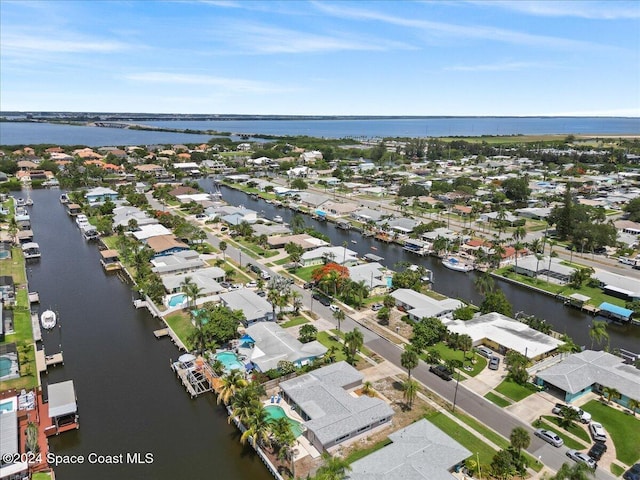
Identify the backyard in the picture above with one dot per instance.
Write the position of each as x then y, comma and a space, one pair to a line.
23, 338
180, 323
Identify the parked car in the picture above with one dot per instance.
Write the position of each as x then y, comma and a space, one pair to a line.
485, 352
251, 284
581, 457
307, 285
441, 371
254, 268
265, 275
376, 306
321, 298
633, 473
597, 450
549, 437
494, 363
201, 216
261, 293
585, 417
597, 432
334, 308
225, 284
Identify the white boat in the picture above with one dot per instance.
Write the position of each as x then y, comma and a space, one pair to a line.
64, 199
31, 250
48, 319
28, 202
89, 232
20, 202
453, 263
277, 219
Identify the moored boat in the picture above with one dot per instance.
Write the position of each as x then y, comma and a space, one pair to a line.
456, 265
48, 319
64, 199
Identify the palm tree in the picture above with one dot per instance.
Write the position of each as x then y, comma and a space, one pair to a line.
440, 244
611, 393
339, 316
353, 341
223, 248
633, 405
519, 439
333, 468
568, 417
258, 427
284, 439
466, 343
229, 385
243, 403
484, 283
367, 388
534, 245
191, 290
296, 301
577, 471
409, 359
410, 388
598, 332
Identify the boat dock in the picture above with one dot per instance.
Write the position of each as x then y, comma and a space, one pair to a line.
35, 327
163, 332
34, 297
194, 378
44, 361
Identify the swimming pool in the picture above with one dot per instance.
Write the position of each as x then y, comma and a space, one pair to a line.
177, 300
230, 361
8, 405
9, 366
4, 254
275, 412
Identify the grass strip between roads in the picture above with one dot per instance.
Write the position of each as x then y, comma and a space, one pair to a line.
576, 430
498, 400
568, 441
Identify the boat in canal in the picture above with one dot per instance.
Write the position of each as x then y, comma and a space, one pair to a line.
64, 199
31, 250
456, 265
48, 319
277, 219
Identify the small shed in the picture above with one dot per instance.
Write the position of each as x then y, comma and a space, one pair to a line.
62, 407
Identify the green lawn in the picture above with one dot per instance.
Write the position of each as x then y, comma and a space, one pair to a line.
617, 470
364, 349
110, 242
620, 426
326, 339
305, 272
514, 391
14, 267
450, 354
255, 249
568, 442
466, 438
23, 338
496, 438
498, 400
181, 324
295, 321
576, 429
282, 261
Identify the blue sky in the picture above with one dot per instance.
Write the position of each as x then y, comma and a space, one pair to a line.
321, 57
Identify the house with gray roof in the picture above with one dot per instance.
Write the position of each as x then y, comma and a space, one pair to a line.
368, 215
332, 415
207, 279
254, 307
591, 371
420, 451
320, 255
124, 214
373, 275
419, 306
402, 224
269, 343
180, 262
554, 270
312, 200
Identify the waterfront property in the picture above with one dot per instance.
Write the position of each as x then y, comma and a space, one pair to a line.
207, 280
373, 275
591, 371
274, 412
163, 245
9, 365
340, 255
254, 307
110, 260
63, 410
179, 262
420, 451
267, 343
101, 194
230, 361
419, 306
332, 415
552, 269
501, 333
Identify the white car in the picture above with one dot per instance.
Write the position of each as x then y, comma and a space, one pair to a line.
251, 284
334, 308
597, 432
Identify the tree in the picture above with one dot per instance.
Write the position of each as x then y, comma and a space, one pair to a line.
331, 275
297, 224
611, 393
580, 275
517, 189
409, 359
32, 438
568, 417
286, 367
383, 315
258, 427
295, 252
427, 332
516, 364
466, 343
463, 313
333, 468
223, 248
484, 283
229, 385
633, 209
496, 302
502, 465
367, 388
577, 471
296, 301
633, 405
520, 439
410, 388
339, 316
353, 341
598, 332
307, 333
299, 184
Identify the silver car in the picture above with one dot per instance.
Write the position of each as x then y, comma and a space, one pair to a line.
549, 437
582, 458
597, 432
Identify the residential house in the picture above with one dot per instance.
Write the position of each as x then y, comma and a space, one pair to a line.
332, 414
267, 343
207, 279
339, 209
254, 307
124, 214
101, 194
373, 275
145, 232
366, 215
180, 262
340, 255
419, 306
304, 240
554, 270
163, 245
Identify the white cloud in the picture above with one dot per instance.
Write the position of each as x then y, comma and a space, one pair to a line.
498, 67
230, 84
442, 29
269, 40
580, 9
20, 43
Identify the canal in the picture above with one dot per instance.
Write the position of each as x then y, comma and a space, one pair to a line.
128, 398
452, 284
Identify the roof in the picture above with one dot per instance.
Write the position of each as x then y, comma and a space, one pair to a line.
420, 451
100, 191
507, 332
581, 370
252, 305
62, 399
181, 260
9, 429
205, 278
339, 255
615, 309
333, 412
423, 306
273, 344
147, 231
109, 253
162, 243
371, 274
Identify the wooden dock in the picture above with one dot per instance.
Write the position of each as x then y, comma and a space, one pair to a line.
163, 332
43, 362
34, 297
35, 327
195, 380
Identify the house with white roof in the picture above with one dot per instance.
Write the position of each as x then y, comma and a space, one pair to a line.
207, 279
124, 214
591, 371
254, 307
419, 306
179, 262
267, 343
373, 275
332, 414
145, 232
340, 255
553, 271
420, 451
502, 334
